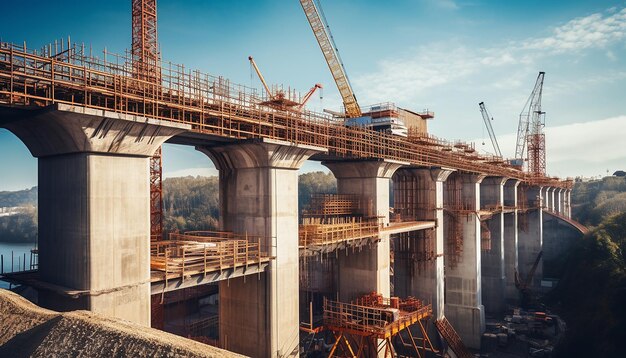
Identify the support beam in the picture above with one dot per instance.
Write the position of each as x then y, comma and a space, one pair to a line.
464, 308
493, 259
418, 195
511, 241
94, 205
366, 270
259, 316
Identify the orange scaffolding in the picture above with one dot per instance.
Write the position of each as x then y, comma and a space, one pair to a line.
211, 105
369, 326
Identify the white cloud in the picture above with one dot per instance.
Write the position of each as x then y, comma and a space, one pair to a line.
403, 79
586, 148
593, 31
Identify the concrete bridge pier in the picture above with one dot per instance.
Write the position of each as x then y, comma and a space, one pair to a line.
94, 205
511, 293
568, 203
366, 269
493, 260
463, 307
259, 315
422, 200
558, 200
530, 235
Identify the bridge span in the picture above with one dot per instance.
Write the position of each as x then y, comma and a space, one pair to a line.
462, 224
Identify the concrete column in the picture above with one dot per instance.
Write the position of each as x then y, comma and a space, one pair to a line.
259, 316
568, 203
425, 280
366, 270
464, 306
550, 198
493, 260
510, 240
558, 201
530, 236
94, 205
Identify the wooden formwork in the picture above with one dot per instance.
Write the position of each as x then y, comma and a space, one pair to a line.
202, 252
333, 205
326, 231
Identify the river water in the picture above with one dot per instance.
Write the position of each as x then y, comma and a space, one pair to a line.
19, 251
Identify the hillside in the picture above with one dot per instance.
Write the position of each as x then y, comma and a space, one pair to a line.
596, 200
592, 292
9, 199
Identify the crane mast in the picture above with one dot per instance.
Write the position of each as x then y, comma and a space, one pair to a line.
487, 119
324, 38
530, 131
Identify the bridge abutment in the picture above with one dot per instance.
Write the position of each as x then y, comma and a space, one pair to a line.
94, 206
259, 315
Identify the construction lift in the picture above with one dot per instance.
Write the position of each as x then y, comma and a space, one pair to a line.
530, 132
279, 100
487, 118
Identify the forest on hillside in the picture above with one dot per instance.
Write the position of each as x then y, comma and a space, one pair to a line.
592, 292
21, 226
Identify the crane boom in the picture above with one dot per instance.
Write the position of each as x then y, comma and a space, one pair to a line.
324, 38
258, 72
308, 95
530, 117
487, 118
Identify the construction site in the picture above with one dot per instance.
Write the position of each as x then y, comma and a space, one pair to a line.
423, 238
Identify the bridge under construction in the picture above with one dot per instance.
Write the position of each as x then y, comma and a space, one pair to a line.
377, 278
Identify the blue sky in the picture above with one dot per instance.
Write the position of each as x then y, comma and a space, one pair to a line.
444, 55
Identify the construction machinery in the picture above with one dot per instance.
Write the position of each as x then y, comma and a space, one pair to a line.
487, 118
382, 117
530, 132
278, 99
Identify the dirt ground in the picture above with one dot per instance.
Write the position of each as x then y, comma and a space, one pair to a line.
27, 330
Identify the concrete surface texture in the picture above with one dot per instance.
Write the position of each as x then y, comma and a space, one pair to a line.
530, 238
259, 316
94, 197
425, 280
366, 270
510, 242
493, 260
463, 307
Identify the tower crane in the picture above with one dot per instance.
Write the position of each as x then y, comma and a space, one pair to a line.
530, 132
278, 99
487, 119
321, 30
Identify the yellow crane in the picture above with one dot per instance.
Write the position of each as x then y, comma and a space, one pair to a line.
315, 16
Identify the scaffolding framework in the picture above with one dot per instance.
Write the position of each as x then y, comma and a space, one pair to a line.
211, 105
369, 326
